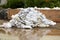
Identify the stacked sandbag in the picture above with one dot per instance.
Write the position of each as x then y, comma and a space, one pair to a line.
28, 18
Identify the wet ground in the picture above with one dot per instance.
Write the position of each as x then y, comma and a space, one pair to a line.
27, 34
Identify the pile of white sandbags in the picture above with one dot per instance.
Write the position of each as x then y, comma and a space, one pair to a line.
28, 18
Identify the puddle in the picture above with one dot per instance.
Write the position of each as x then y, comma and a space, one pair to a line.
50, 38
22, 34
8, 37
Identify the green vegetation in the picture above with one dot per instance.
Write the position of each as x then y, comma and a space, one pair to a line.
31, 3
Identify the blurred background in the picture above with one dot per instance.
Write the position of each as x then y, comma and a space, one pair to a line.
29, 3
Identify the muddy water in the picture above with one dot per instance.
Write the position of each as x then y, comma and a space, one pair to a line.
22, 34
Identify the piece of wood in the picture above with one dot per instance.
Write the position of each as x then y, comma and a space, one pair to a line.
50, 14
11, 12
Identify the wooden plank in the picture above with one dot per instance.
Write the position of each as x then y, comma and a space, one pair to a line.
50, 14
12, 12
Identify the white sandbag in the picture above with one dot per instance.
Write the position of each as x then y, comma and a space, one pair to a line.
28, 18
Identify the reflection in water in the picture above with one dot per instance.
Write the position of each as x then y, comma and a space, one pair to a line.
25, 34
